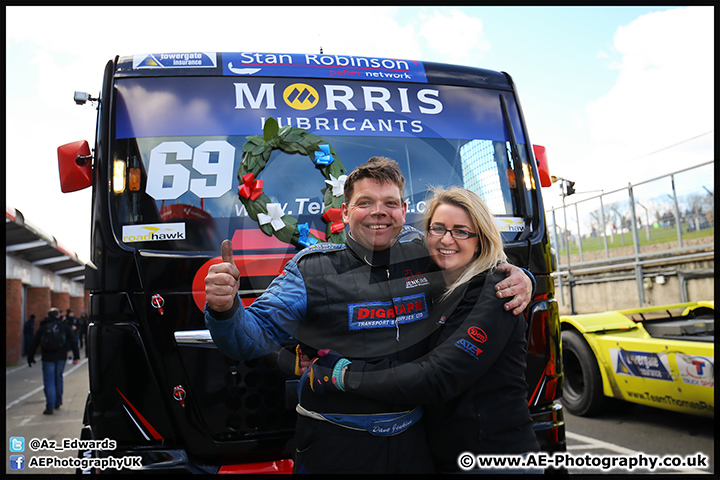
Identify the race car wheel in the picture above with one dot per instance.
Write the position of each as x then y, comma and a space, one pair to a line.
582, 390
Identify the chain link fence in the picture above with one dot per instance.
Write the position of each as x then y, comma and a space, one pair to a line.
669, 215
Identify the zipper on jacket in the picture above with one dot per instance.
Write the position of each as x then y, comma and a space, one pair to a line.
397, 323
387, 275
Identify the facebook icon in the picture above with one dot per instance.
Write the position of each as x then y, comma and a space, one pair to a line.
17, 462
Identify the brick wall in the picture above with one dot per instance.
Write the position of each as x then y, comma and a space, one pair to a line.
38, 302
78, 305
61, 300
13, 321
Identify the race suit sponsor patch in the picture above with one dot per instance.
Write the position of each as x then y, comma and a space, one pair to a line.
386, 314
477, 334
468, 347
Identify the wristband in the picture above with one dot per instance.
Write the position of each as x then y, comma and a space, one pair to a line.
337, 373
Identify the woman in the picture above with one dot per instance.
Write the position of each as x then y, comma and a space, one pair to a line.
473, 381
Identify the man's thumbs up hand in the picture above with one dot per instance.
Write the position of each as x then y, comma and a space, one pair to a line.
223, 280
226, 251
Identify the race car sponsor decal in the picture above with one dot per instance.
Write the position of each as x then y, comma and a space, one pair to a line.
153, 232
469, 348
669, 400
641, 364
323, 66
325, 107
477, 334
387, 314
510, 224
175, 60
696, 370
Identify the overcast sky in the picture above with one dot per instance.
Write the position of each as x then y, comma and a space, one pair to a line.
615, 94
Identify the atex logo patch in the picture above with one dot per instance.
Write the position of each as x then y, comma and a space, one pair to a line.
301, 96
153, 232
386, 314
468, 347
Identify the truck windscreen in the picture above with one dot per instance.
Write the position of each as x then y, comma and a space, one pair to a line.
179, 144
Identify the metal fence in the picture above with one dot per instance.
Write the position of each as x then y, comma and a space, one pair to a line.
672, 215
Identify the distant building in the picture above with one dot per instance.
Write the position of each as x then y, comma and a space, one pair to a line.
39, 273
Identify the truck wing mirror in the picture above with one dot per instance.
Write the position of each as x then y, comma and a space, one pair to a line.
75, 165
543, 168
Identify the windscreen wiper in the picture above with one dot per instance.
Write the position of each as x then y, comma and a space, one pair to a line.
519, 174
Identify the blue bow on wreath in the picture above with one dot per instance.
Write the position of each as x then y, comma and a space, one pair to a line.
304, 231
323, 157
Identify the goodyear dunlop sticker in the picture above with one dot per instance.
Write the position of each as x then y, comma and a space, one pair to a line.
153, 232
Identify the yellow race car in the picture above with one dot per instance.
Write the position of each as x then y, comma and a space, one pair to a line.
657, 356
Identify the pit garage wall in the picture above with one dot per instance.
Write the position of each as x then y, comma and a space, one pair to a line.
31, 290
671, 282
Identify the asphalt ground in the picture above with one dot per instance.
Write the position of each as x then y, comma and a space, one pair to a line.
626, 431
24, 419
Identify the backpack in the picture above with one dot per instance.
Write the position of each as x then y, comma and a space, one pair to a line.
53, 337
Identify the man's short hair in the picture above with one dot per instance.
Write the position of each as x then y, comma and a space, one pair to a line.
382, 169
54, 312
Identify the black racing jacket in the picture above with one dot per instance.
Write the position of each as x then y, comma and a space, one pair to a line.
367, 305
472, 382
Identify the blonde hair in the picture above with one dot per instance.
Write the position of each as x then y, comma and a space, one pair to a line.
490, 246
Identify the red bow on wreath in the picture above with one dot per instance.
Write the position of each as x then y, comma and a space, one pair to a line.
334, 216
250, 188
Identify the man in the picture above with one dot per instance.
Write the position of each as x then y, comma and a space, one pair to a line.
84, 320
28, 333
74, 323
370, 298
54, 338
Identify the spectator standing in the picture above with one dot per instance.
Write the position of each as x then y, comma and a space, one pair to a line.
84, 320
54, 339
74, 323
28, 332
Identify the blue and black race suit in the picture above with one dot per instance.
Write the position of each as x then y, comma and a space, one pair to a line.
364, 304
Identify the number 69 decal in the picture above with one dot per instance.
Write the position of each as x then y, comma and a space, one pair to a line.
159, 170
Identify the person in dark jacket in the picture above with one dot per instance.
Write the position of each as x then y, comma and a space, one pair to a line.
74, 324
372, 295
28, 332
472, 382
54, 338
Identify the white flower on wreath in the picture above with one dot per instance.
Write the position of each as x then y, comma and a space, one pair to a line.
337, 184
274, 216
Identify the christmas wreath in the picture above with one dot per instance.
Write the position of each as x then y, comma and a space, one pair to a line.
270, 216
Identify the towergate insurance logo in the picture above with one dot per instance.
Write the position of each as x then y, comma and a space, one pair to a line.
323, 66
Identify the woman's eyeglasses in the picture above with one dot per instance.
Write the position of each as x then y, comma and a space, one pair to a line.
457, 234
